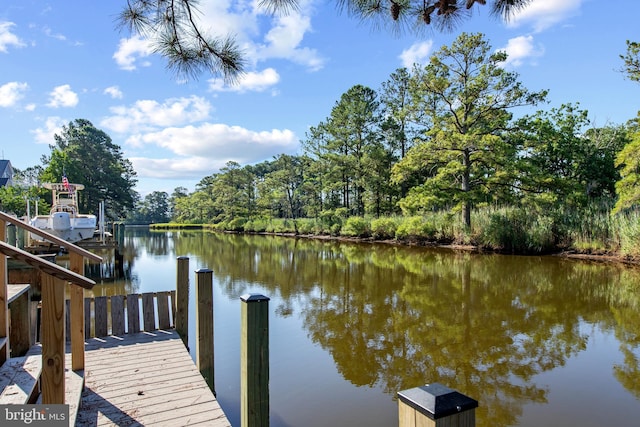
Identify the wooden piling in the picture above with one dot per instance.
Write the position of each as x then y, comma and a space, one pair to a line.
182, 296
435, 405
254, 361
76, 314
204, 326
53, 340
12, 236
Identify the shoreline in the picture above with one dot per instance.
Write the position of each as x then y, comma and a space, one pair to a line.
568, 254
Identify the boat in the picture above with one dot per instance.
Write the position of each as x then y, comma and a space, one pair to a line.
64, 220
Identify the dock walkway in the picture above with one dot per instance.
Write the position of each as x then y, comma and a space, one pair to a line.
125, 363
146, 378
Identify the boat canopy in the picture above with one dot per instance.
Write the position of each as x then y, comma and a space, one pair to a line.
58, 186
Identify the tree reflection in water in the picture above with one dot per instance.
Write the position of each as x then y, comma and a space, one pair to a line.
396, 317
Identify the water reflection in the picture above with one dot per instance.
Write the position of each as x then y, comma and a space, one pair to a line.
396, 317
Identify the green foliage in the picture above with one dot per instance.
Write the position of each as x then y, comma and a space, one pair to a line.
438, 142
590, 229
630, 234
415, 228
561, 163
281, 226
14, 200
335, 229
258, 225
464, 94
220, 226
517, 231
384, 228
282, 190
348, 148
628, 188
236, 224
632, 61
308, 226
356, 226
87, 156
153, 209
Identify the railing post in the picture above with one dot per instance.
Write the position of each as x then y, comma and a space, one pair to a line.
254, 361
20, 330
12, 237
182, 300
4, 296
435, 405
76, 314
204, 326
53, 341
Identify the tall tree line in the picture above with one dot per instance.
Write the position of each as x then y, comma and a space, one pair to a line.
438, 137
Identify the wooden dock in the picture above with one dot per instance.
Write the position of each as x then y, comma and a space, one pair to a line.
138, 370
125, 363
147, 378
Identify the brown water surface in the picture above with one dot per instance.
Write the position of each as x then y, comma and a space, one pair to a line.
538, 341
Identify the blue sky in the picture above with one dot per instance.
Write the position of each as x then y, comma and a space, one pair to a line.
66, 60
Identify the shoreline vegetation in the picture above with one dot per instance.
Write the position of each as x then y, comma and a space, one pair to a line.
593, 234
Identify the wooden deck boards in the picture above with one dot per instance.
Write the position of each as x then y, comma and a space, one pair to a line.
148, 379
14, 291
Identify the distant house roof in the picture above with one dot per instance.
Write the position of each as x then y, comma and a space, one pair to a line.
6, 173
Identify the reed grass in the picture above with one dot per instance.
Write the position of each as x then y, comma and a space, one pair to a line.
590, 230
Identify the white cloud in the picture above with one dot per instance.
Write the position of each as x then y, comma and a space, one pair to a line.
181, 168
283, 41
202, 150
49, 33
282, 38
130, 50
53, 125
226, 141
220, 142
251, 81
62, 96
114, 92
7, 38
520, 48
147, 115
11, 93
418, 53
542, 14
227, 17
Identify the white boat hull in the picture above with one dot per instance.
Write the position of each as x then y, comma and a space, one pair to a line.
64, 226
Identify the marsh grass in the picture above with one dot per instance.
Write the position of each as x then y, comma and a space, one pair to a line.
590, 230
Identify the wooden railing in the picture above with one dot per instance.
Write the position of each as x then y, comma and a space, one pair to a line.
53, 306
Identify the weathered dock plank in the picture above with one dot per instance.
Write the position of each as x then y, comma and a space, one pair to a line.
14, 291
146, 378
18, 379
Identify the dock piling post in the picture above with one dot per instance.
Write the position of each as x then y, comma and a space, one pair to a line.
435, 405
182, 300
76, 295
204, 326
53, 342
254, 361
12, 236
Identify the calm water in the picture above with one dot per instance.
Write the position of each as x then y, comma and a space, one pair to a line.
538, 341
